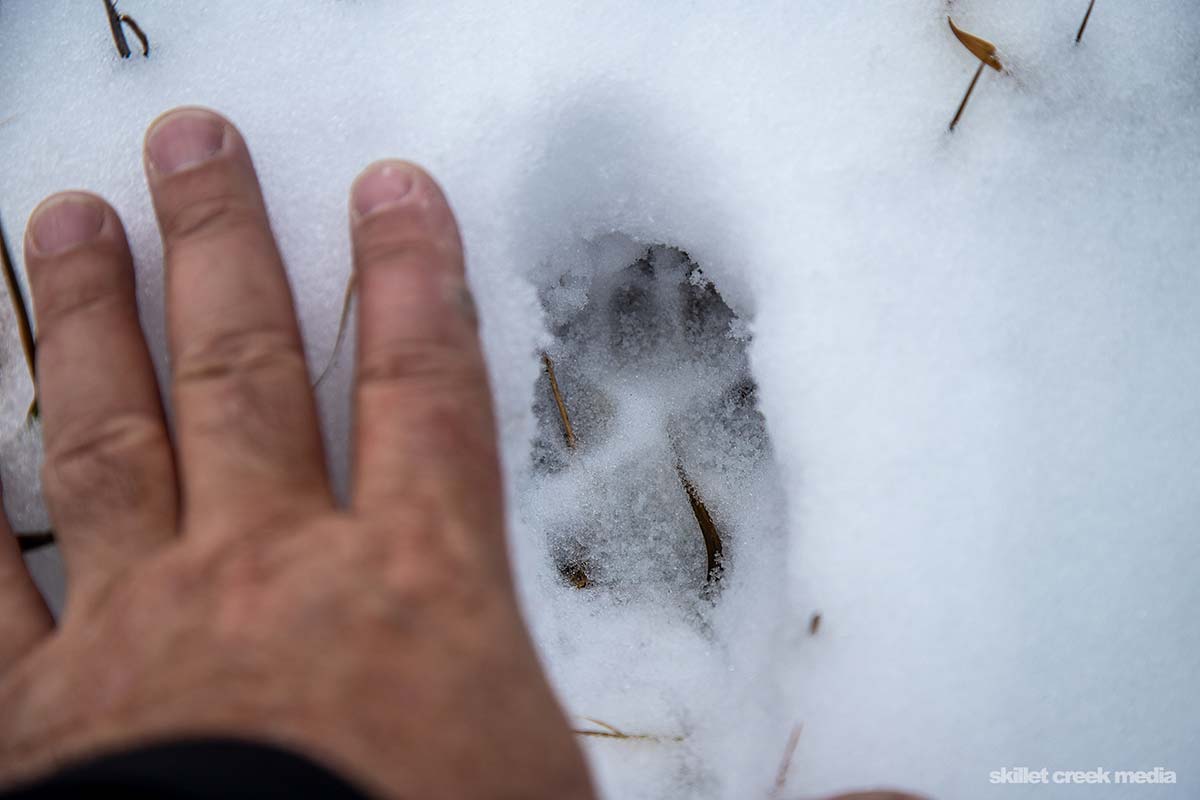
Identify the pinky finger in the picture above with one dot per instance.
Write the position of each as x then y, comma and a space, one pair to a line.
24, 618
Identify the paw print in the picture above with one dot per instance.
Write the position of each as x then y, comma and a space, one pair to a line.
649, 439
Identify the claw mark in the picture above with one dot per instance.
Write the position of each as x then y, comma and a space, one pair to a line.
347, 300
568, 431
24, 328
982, 49
1086, 17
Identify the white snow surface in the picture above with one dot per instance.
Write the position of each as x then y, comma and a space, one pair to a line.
977, 354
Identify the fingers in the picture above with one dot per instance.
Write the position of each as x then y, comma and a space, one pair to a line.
248, 446
24, 618
108, 479
423, 415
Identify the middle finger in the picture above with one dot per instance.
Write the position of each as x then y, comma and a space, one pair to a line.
248, 444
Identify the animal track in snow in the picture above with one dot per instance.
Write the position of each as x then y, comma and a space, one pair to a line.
652, 371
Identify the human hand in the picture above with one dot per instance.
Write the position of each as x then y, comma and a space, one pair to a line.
216, 588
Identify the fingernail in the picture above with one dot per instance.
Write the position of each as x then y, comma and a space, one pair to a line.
380, 186
183, 139
64, 222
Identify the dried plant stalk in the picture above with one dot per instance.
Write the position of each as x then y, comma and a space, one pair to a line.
982, 49
708, 528
1083, 25
137, 31
347, 300
612, 732
963, 105
789, 751
568, 431
116, 23
24, 328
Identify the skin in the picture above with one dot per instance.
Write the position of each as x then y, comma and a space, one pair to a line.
217, 588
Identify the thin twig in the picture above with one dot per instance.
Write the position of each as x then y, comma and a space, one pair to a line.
24, 328
347, 300
708, 528
963, 105
789, 751
568, 431
1086, 17
612, 732
137, 31
114, 24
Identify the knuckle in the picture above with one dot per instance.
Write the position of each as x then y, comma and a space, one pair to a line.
238, 390
104, 460
95, 281
236, 353
395, 247
215, 215
425, 363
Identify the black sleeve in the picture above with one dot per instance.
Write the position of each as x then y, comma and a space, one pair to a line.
193, 770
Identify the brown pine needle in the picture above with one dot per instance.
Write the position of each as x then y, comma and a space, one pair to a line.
789, 751
341, 332
708, 528
568, 431
1086, 17
24, 328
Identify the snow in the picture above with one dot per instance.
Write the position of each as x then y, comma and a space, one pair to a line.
975, 354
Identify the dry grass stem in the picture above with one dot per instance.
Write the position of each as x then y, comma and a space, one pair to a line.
568, 431
963, 105
612, 732
1083, 25
347, 300
982, 49
116, 23
24, 327
708, 528
789, 751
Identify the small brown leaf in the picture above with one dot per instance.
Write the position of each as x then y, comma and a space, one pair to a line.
982, 49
